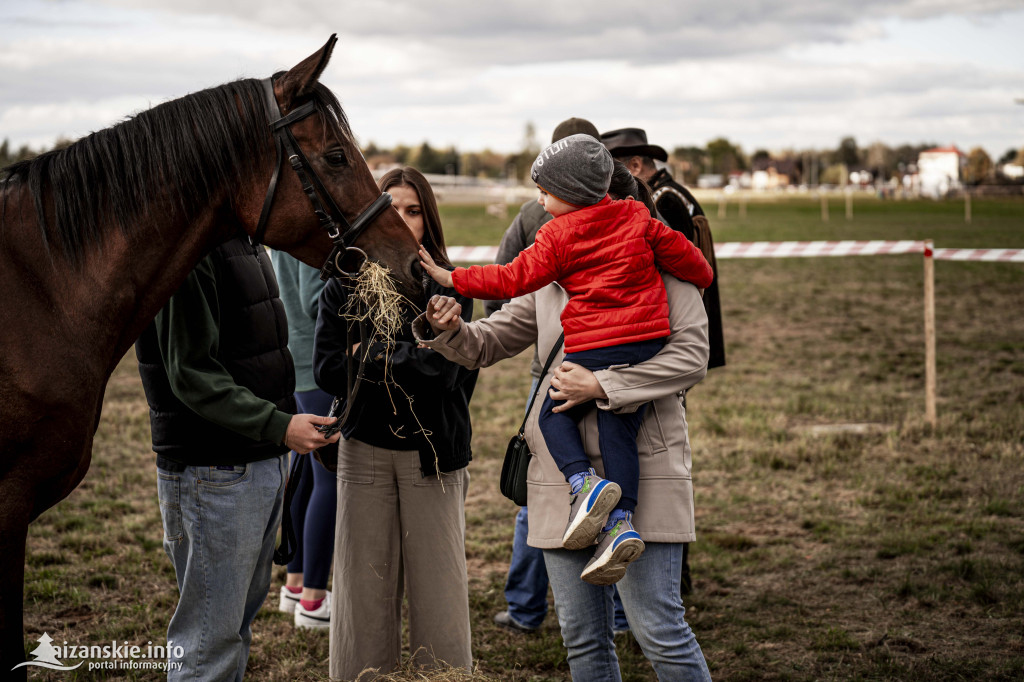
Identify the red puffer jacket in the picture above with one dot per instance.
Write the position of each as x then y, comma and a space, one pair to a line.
607, 258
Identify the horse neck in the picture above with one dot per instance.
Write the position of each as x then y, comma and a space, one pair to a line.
157, 259
103, 303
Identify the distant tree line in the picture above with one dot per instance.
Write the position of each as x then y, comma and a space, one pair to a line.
9, 154
719, 156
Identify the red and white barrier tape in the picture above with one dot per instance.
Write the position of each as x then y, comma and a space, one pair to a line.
486, 254
991, 255
814, 249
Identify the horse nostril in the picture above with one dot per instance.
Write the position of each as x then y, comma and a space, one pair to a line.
417, 270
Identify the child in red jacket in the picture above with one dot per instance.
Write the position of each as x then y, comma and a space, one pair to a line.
606, 255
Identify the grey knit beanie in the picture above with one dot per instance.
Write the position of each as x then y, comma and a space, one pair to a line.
576, 169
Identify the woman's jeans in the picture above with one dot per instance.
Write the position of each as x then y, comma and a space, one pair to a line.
650, 595
616, 431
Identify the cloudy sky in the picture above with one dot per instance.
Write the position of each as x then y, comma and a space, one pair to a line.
470, 73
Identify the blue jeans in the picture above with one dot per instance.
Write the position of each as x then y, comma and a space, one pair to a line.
616, 431
526, 589
220, 528
650, 595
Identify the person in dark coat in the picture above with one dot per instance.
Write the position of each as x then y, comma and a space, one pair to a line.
681, 211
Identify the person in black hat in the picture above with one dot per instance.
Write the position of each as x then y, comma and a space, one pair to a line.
681, 211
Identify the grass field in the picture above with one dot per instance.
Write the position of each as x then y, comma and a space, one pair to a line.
891, 553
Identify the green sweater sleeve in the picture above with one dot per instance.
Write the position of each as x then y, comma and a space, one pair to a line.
188, 332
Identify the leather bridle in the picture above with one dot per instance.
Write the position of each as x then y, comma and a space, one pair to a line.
342, 234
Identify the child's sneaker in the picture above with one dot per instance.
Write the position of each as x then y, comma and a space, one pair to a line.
319, 617
288, 600
616, 548
588, 510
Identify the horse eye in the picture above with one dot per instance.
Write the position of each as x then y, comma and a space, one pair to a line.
336, 158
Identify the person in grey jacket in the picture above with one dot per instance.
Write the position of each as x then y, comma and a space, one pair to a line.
526, 587
650, 590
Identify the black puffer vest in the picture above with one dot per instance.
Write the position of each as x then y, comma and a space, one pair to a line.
253, 347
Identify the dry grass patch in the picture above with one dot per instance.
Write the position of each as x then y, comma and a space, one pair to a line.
894, 554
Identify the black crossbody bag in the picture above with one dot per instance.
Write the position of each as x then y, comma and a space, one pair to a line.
517, 454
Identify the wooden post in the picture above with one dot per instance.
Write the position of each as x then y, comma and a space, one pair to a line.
743, 206
722, 205
824, 208
967, 205
929, 333
849, 205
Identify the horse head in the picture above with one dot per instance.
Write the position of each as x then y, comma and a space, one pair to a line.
337, 167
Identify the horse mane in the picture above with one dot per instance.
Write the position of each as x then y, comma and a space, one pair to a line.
197, 145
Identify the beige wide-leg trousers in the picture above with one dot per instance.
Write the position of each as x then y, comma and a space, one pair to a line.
397, 533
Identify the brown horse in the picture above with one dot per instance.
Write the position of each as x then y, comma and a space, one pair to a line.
95, 238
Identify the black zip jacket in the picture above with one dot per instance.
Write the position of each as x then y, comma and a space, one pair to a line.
423, 405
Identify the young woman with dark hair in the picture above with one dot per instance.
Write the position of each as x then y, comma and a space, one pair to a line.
414, 200
402, 478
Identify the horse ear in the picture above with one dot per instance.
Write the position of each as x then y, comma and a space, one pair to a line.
300, 79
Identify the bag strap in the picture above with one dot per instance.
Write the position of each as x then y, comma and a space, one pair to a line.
543, 373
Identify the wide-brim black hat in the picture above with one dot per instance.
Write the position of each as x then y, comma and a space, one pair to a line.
631, 142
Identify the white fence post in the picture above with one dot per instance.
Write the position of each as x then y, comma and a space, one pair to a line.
929, 333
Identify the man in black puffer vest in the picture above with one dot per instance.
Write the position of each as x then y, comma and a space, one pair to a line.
219, 381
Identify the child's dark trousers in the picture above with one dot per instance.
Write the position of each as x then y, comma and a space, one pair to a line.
617, 432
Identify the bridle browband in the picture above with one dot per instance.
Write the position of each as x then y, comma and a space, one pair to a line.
344, 237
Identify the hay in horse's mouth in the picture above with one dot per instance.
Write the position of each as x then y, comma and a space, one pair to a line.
381, 304
376, 301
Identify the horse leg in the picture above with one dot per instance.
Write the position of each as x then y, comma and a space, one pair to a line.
15, 511
28, 489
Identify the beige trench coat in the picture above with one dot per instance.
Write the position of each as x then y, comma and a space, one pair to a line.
665, 509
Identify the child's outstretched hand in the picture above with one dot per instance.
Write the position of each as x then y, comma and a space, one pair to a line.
444, 313
439, 274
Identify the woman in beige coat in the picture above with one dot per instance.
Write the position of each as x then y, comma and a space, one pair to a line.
664, 515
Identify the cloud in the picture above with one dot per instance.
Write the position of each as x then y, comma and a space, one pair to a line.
771, 75
529, 31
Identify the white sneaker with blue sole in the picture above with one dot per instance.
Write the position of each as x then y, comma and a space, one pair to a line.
616, 549
588, 511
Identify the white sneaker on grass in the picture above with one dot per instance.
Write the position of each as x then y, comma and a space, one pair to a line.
288, 600
315, 619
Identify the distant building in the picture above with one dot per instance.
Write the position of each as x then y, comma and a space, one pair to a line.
1012, 171
739, 180
773, 174
710, 181
940, 171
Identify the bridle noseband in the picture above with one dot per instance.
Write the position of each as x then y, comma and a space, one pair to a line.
284, 142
